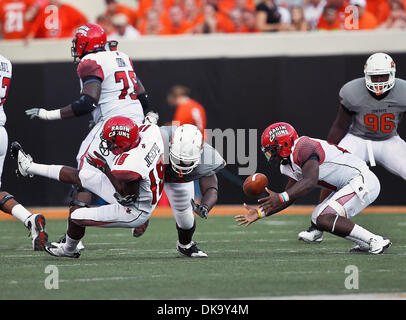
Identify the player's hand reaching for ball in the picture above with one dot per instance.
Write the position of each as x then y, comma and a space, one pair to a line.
271, 203
97, 161
248, 218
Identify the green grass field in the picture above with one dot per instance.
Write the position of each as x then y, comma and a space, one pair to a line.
261, 261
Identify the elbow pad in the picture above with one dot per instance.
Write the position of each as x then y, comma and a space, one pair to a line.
84, 105
143, 97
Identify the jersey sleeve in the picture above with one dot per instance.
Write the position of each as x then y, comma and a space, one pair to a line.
90, 68
306, 149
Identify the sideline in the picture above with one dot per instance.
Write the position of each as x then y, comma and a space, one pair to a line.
219, 210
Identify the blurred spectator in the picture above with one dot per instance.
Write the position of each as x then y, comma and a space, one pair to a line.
187, 110
122, 29
226, 5
57, 20
17, 17
177, 23
366, 20
312, 10
235, 15
271, 17
250, 21
330, 19
397, 17
213, 21
192, 12
105, 23
113, 8
298, 21
160, 6
152, 25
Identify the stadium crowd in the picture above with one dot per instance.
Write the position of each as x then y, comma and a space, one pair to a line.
27, 19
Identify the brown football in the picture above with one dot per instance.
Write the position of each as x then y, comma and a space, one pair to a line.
255, 184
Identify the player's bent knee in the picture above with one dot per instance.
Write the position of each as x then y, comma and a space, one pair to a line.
325, 222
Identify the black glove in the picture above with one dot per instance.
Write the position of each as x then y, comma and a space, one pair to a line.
125, 201
201, 210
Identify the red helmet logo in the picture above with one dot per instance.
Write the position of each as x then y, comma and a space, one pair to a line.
278, 140
88, 38
119, 135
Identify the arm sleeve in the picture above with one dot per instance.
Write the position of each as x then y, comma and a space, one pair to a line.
307, 149
126, 175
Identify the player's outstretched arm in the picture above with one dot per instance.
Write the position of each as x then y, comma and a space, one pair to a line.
85, 104
209, 188
340, 125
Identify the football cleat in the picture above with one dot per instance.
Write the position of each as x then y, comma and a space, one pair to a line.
379, 245
80, 245
190, 250
56, 249
311, 235
24, 160
360, 249
36, 224
139, 231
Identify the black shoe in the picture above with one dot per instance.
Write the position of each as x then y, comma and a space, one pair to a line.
190, 250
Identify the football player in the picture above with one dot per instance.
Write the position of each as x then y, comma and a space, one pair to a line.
132, 186
186, 159
34, 222
110, 87
189, 159
309, 163
366, 124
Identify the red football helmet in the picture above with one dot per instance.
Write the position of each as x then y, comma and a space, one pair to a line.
278, 139
88, 38
119, 135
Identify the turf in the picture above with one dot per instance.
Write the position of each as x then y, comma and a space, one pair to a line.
261, 261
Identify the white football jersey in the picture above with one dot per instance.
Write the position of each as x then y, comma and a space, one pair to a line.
336, 165
144, 163
5, 79
119, 84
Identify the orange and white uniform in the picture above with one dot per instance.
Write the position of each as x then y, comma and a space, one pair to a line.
14, 23
57, 22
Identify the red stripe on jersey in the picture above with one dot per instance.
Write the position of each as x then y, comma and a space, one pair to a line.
126, 175
326, 185
90, 68
305, 148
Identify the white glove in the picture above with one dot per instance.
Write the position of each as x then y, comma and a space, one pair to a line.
151, 117
43, 114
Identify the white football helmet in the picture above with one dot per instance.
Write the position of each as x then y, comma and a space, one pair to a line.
379, 64
185, 148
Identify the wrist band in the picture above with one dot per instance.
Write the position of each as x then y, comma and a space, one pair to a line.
261, 214
50, 114
284, 197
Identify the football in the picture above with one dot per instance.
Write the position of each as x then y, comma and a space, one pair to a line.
255, 184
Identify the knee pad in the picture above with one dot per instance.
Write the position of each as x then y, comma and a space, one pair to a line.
4, 200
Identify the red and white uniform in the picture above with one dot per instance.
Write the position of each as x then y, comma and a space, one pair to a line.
143, 163
5, 79
118, 94
354, 186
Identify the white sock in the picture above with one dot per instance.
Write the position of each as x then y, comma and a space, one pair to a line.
20, 213
361, 234
70, 244
45, 170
